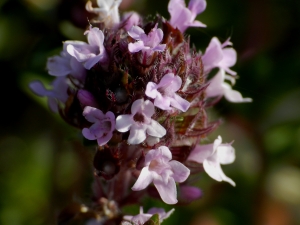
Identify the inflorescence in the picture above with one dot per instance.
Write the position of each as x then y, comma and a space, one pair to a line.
140, 92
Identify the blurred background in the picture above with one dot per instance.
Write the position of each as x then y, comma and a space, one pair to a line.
44, 167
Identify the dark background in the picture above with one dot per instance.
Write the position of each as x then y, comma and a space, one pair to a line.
44, 167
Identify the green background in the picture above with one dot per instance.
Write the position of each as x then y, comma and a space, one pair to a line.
44, 167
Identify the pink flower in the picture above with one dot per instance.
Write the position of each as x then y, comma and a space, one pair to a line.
139, 122
64, 65
142, 217
219, 87
164, 93
91, 53
103, 125
217, 55
163, 172
57, 94
182, 17
146, 42
212, 156
130, 19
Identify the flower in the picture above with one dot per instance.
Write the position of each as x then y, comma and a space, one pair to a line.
163, 172
164, 93
130, 19
146, 42
91, 53
58, 93
103, 125
216, 55
142, 217
65, 64
218, 87
182, 17
212, 156
107, 11
139, 122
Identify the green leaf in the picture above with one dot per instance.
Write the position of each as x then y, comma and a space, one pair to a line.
154, 220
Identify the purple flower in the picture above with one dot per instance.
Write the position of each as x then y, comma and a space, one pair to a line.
212, 156
146, 42
182, 17
139, 122
219, 87
130, 19
91, 53
164, 93
107, 11
103, 125
57, 94
163, 173
65, 64
142, 217
217, 55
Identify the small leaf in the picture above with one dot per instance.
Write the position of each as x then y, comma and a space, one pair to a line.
154, 220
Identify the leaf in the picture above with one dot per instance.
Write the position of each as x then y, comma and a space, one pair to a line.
154, 220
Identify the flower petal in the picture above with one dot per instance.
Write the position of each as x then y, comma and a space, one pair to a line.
92, 114
136, 135
78, 71
162, 102
213, 54
215, 87
89, 63
59, 66
136, 47
229, 59
213, 169
197, 7
151, 90
233, 95
39, 89
180, 103
123, 123
95, 37
104, 138
159, 48
167, 190
225, 154
137, 106
200, 153
181, 172
148, 108
161, 212
155, 129
144, 179
165, 152
135, 32
88, 134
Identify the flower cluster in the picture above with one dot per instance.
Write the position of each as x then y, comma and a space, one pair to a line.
140, 91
